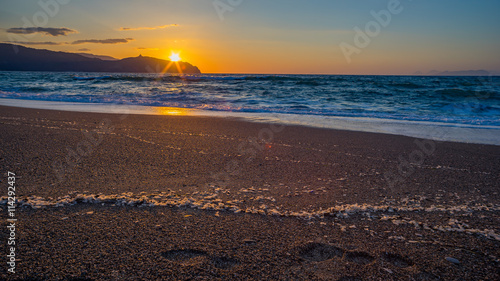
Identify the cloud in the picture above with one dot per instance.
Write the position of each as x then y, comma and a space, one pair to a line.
45, 30
148, 28
84, 49
103, 41
148, 49
77, 42
35, 43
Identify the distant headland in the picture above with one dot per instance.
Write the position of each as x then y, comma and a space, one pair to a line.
19, 58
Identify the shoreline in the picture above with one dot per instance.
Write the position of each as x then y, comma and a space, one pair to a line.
437, 131
83, 141
159, 197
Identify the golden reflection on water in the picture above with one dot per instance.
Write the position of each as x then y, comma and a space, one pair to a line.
172, 111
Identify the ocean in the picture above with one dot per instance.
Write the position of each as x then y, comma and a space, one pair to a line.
463, 109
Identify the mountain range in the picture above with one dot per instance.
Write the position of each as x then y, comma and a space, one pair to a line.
19, 58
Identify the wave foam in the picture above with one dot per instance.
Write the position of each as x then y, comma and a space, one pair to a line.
210, 201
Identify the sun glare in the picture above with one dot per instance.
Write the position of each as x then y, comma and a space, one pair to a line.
172, 111
175, 57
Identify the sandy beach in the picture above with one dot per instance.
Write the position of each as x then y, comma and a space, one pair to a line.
138, 197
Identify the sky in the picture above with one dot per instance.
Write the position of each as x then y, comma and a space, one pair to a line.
269, 36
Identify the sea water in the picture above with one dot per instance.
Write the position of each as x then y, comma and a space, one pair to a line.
463, 109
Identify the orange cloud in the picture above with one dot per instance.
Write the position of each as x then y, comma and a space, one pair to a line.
103, 41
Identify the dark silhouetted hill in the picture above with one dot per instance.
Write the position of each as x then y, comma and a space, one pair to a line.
87, 55
19, 58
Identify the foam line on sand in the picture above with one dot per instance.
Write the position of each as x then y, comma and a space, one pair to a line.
211, 202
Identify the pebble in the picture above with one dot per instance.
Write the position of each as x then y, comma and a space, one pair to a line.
388, 270
453, 260
249, 241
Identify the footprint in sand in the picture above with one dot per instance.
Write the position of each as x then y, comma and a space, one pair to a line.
185, 256
192, 256
319, 252
397, 260
361, 258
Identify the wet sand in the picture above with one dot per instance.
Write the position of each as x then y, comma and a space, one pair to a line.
106, 196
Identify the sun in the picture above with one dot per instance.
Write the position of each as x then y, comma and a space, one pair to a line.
175, 57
